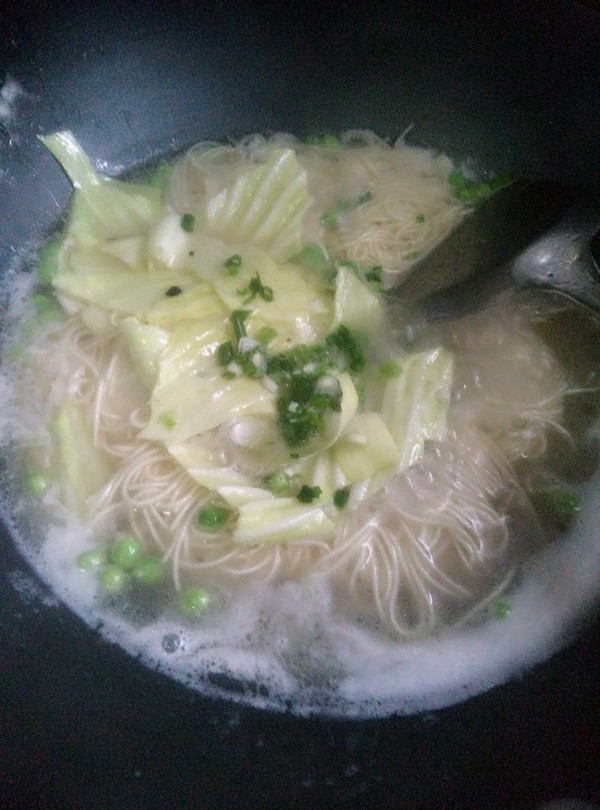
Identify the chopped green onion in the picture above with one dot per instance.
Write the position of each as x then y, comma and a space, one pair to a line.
299, 425
91, 560
266, 334
280, 483
390, 369
168, 419
187, 222
37, 482
254, 288
373, 277
238, 321
48, 258
364, 198
330, 219
42, 303
253, 363
347, 342
327, 140
301, 387
13, 352
229, 375
420, 218
159, 177
194, 602
560, 505
500, 608
290, 361
113, 579
374, 273
148, 570
500, 181
412, 256
308, 494
233, 264
457, 179
471, 192
213, 517
173, 291
44, 314
340, 497
29, 326
348, 265
125, 552
225, 353
331, 141
302, 408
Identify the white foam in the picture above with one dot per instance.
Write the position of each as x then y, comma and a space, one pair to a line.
290, 642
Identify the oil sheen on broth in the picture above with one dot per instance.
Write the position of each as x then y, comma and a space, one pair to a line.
231, 460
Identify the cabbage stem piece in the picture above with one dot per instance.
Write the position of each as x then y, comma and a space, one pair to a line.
415, 403
145, 344
277, 520
206, 468
80, 468
356, 306
102, 208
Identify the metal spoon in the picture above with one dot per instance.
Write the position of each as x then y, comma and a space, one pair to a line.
529, 235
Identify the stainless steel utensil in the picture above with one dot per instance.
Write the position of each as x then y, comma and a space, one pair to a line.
530, 235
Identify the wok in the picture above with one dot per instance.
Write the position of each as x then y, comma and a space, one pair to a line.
510, 87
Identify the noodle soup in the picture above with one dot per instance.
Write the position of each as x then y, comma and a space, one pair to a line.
240, 468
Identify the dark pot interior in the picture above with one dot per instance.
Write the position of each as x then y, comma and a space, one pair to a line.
511, 86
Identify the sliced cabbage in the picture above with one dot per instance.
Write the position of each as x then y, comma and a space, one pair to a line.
80, 468
191, 347
365, 447
260, 441
102, 208
145, 344
96, 319
169, 245
297, 311
197, 403
356, 305
415, 403
277, 520
197, 302
130, 249
323, 471
265, 206
102, 280
238, 496
205, 466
